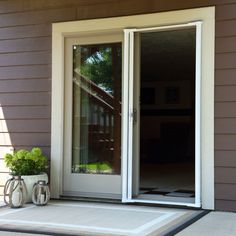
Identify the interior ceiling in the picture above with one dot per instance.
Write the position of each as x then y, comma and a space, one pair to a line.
170, 53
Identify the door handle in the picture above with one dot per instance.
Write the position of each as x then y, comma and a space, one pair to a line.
135, 118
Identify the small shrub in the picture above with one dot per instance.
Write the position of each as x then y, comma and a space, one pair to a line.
25, 162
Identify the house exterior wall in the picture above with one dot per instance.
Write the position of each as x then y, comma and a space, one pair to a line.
25, 73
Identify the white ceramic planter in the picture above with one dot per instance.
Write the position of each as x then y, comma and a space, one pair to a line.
30, 180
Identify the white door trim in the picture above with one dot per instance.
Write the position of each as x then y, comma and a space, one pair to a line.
198, 108
118, 24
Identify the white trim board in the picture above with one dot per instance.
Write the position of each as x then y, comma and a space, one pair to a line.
118, 24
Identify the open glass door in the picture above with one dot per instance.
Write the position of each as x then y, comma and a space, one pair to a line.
163, 115
92, 159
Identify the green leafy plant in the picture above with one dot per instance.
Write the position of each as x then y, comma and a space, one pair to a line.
25, 162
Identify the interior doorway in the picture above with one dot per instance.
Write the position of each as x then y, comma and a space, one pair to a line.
166, 115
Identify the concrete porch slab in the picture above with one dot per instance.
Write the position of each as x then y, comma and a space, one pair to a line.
4, 233
214, 223
83, 218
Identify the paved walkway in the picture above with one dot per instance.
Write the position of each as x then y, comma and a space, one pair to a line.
213, 224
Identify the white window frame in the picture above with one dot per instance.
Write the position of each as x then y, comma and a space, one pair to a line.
118, 24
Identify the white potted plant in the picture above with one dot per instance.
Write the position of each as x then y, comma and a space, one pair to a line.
30, 165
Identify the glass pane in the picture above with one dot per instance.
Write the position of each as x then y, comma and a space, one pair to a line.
167, 113
96, 109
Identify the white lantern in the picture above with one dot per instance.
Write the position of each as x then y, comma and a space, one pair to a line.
15, 192
41, 193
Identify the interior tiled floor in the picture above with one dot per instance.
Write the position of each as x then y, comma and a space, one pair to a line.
167, 177
175, 193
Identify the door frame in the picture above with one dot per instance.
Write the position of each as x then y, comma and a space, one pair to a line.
129, 179
89, 185
118, 24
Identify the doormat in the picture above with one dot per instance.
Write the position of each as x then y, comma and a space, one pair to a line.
77, 218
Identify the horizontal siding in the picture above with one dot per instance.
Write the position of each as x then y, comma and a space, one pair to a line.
225, 175
26, 126
25, 74
1, 190
225, 205
225, 93
25, 112
26, 45
229, 159
3, 168
29, 31
225, 142
225, 191
225, 103
25, 58
3, 179
4, 172
25, 99
9, 149
226, 12
225, 109
9, 6
25, 85
226, 60
117, 8
31, 5
21, 139
225, 77
225, 126
225, 28
224, 45
25, 71
37, 17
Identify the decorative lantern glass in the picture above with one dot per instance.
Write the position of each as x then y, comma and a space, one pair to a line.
41, 193
15, 192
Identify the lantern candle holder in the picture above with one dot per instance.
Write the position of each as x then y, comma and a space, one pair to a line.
15, 192
41, 193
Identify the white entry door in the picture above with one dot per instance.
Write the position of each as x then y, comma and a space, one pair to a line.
159, 102
92, 127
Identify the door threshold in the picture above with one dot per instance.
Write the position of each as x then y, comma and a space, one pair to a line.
163, 200
159, 197
164, 203
90, 199
138, 200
